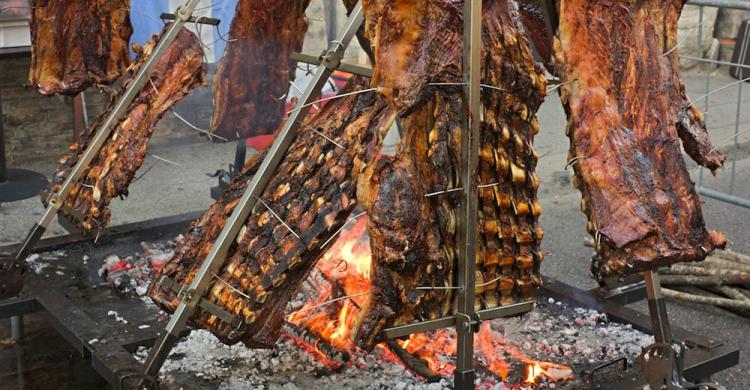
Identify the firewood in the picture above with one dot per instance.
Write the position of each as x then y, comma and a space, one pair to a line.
731, 255
714, 262
721, 302
693, 280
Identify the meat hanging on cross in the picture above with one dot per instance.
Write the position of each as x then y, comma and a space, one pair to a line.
253, 77
627, 111
176, 73
78, 44
417, 66
309, 198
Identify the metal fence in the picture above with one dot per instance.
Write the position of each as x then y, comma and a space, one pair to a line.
729, 196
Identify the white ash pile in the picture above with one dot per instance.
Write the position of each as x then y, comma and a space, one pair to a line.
38, 262
575, 337
135, 273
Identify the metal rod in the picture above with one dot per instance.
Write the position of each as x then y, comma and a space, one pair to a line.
445, 322
735, 200
184, 12
707, 81
742, 74
700, 59
3, 163
657, 308
218, 253
736, 4
464, 374
348, 68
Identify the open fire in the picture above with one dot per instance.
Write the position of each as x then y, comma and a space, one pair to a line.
337, 288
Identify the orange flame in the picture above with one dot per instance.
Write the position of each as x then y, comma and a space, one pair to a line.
347, 262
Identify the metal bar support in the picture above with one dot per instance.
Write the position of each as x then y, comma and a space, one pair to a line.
217, 256
467, 251
57, 199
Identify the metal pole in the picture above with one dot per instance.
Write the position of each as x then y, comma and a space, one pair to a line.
3, 166
657, 308
735, 4
216, 257
16, 332
465, 315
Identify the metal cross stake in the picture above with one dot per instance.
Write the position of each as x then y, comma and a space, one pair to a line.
663, 361
12, 267
191, 295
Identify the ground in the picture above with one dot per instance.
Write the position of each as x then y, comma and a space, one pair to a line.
171, 189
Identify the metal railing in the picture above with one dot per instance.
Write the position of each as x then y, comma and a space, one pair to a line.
744, 72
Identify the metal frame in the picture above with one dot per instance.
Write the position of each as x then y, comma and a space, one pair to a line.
728, 197
56, 200
191, 296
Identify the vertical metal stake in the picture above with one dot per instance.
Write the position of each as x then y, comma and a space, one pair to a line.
657, 308
464, 375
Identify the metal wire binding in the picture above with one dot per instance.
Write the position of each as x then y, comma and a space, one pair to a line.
277, 217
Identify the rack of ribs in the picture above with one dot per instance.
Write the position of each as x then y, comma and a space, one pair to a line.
418, 49
176, 73
311, 194
253, 76
78, 44
627, 111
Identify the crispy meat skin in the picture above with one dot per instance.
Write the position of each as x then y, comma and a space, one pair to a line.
178, 71
77, 44
627, 110
312, 191
256, 70
406, 248
413, 50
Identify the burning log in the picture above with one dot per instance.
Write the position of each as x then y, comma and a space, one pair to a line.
420, 87
303, 207
108, 176
414, 363
330, 352
77, 44
253, 77
627, 111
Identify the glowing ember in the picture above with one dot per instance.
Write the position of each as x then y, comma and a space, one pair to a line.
339, 289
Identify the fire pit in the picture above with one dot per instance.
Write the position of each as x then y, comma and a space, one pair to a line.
558, 345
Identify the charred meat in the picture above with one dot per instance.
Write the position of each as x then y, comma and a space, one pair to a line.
253, 77
177, 72
627, 111
78, 44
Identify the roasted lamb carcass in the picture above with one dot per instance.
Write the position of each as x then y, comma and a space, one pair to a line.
418, 48
178, 71
252, 79
627, 111
78, 44
312, 192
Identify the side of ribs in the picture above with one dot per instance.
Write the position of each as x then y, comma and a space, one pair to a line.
78, 44
627, 111
311, 194
418, 48
178, 71
253, 76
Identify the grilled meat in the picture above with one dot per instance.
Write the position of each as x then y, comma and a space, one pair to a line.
627, 111
312, 192
78, 44
177, 72
253, 77
407, 256
509, 254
